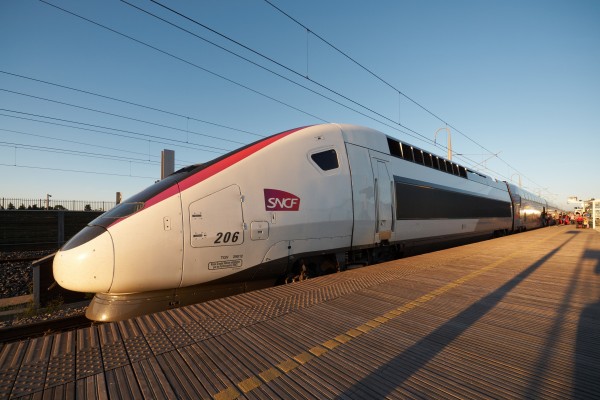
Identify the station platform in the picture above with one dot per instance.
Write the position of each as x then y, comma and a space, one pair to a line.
514, 317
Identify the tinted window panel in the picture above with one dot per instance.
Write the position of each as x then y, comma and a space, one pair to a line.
85, 235
407, 152
418, 156
416, 201
427, 159
394, 148
123, 210
455, 169
326, 160
443, 165
120, 211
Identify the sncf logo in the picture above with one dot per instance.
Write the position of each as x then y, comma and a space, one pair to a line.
278, 200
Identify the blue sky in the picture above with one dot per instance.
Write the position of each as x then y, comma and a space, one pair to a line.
512, 78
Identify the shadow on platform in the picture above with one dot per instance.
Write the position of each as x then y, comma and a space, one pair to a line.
392, 374
587, 349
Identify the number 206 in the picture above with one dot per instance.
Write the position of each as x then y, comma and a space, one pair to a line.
227, 237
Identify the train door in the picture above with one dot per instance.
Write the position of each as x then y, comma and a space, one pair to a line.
215, 232
518, 223
383, 201
363, 195
216, 220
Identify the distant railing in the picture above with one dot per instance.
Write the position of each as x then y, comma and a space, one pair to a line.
50, 204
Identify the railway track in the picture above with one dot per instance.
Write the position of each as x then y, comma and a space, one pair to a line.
18, 260
43, 328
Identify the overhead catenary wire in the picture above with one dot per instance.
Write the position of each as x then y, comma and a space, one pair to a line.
394, 88
414, 133
398, 123
198, 66
77, 171
77, 153
385, 82
95, 94
129, 103
144, 135
186, 62
186, 146
169, 54
270, 59
395, 126
120, 116
181, 162
99, 131
74, 153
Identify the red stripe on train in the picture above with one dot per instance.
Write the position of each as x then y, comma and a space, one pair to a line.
212, 170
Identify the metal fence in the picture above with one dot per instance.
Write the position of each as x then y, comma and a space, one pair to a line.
50, 204
24, 230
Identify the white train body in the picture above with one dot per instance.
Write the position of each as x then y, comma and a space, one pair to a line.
322, 193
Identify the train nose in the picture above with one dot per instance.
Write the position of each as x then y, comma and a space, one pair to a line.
86, 262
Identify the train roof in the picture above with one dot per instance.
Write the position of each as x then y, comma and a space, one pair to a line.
417, 155
516, 190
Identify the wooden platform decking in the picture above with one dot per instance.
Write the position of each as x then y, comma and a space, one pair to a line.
515, 317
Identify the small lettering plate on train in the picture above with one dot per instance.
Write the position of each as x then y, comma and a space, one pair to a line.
222, 264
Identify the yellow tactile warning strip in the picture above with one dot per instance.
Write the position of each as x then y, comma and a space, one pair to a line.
286, 366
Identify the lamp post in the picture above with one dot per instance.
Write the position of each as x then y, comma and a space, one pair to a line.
48, 201
449, 140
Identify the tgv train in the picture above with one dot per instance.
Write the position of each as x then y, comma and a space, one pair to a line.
303, 202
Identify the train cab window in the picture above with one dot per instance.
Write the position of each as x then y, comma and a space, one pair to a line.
407, 153
427, 159
418, 156
119, 211
395, 149
326, 160
123, 210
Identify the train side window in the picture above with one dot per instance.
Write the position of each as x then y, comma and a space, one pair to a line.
395, 149
436, 162
418, 156
326, 160
462, 171
443, 165
427, 159
407, 152
454, 169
